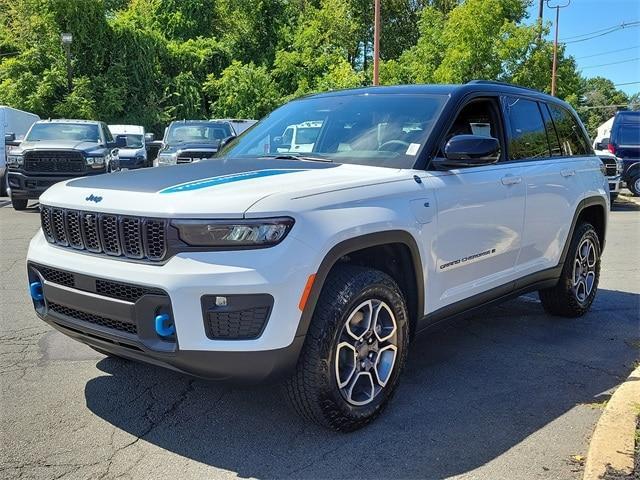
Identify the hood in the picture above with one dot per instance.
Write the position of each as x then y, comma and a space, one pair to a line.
130, 152
223, 188
180, 147
58, 145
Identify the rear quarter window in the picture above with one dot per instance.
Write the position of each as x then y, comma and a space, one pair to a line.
629, 134
572, 140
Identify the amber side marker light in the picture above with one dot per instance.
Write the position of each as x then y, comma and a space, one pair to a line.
306, 291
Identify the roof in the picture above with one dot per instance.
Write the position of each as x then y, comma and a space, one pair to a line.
65, 120
445, 89
124, 129
208, 122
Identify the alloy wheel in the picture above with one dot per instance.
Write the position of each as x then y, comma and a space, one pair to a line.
584, 270
366, 352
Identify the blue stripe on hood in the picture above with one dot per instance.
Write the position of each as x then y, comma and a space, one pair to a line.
221, 180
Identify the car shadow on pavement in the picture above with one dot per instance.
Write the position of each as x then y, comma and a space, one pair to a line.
470, 392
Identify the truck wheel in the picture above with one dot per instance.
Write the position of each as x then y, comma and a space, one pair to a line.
634, 185
19, 203
573, 295
355, 349
613, 197
3, 185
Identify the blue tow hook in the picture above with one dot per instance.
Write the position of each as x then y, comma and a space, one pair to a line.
164, 325
35, 289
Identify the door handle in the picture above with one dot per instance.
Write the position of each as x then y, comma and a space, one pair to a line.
567, 173
511, 180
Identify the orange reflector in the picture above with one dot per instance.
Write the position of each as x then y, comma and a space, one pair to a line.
306, 291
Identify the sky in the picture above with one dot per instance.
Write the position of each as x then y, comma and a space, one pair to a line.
586, 16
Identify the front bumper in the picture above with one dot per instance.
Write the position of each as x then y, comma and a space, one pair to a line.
130, 163
183, 282
614, 184
32, 186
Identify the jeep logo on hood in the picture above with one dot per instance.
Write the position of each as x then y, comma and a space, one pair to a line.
93, 198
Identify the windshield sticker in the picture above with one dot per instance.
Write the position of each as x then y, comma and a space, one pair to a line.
413, 149
221, 180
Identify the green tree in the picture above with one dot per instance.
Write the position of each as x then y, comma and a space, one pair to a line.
242, 91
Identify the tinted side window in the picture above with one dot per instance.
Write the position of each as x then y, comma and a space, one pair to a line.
570, 134
528, 137
554, 143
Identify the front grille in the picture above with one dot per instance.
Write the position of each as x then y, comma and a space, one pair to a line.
124, 291
94, 319
114, 235
194, 155
611, 166
236, 325
54, 161
54, 275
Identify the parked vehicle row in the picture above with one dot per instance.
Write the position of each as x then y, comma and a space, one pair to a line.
40, 153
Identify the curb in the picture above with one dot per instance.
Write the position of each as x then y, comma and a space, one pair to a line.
611, 451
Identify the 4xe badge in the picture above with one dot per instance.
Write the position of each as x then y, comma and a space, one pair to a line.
93, 198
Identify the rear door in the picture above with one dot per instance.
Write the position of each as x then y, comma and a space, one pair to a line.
544, 140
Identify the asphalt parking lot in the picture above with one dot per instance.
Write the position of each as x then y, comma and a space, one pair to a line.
509, 393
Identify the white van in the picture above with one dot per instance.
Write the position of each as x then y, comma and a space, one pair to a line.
134, 155
14, 125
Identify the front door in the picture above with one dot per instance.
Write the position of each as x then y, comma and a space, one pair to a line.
478, 232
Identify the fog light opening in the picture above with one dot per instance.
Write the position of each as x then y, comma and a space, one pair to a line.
35, 289
164, 325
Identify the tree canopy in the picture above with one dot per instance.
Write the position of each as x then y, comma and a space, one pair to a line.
150, 61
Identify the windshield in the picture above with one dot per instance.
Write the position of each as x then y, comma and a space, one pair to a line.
79, 132
198, 132
385, 130
133, 140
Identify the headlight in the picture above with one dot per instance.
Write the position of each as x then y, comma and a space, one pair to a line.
167, 159
96, 162
241, 233
15, 160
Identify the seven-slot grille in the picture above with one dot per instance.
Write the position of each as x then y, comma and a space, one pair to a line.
611, 166
115, 235
54, 161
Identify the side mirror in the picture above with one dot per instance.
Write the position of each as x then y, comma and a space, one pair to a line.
469, 151
9, 137
149, 137
121, 141
226, 140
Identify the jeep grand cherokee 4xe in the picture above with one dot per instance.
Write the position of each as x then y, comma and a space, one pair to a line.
416, 204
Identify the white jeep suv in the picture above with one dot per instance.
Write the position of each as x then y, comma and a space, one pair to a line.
417, 204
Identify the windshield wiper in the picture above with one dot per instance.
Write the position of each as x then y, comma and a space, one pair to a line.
296, 156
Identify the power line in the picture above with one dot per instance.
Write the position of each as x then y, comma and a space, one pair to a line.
627, 105
606, 32
621, 25
610, 51
613, 63
625, 83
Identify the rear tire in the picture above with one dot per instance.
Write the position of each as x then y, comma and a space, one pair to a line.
19, 203
354, 352
3, 184
573, 295
634, 185
613, 197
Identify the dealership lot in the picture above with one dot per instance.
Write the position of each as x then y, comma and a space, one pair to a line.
509, 393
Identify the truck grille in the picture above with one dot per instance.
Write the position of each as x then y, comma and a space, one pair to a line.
611, 166
194, 155
54, 161
103, 233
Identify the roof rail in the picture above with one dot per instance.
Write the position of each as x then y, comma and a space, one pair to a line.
496, 82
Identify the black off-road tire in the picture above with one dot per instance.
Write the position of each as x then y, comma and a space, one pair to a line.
562, 300
313, 388
634, 185
19, 203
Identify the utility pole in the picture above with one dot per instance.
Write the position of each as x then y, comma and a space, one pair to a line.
540, 19
555, 46
376, 42
66, 39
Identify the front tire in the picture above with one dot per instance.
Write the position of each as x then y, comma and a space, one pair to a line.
19, 203
354, 352
573, 295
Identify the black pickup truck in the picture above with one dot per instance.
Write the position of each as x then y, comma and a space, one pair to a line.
57, 150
